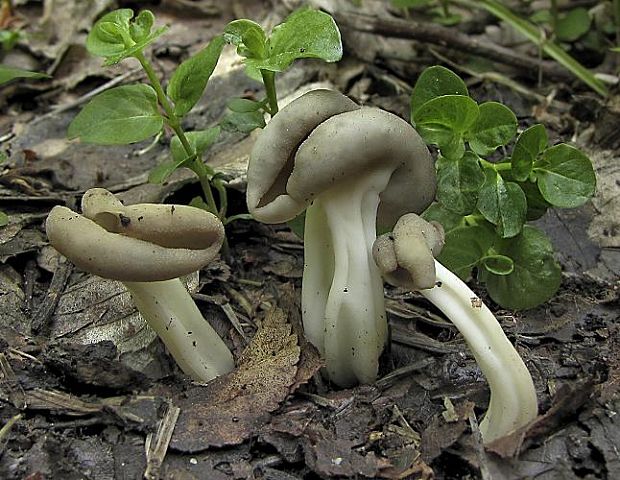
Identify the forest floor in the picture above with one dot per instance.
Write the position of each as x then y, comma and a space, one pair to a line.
87, 391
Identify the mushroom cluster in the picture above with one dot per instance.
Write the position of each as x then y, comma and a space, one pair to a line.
351, 168
405, 258
148, 247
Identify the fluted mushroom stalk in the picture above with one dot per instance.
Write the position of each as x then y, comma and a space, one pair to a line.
147, 247
405, 258
351, 167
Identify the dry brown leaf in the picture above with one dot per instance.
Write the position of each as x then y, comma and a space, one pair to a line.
232, 407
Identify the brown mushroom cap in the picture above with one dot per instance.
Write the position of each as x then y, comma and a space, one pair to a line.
333, 149
405, 257
138, 243
273, 155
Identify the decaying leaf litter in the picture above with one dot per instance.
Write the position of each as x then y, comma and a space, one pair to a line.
88, 393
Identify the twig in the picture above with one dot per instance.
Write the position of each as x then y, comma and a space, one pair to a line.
449, 38
157, 445
47, 307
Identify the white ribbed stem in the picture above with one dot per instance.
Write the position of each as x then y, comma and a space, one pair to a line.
169, 309
513, 401
342, 292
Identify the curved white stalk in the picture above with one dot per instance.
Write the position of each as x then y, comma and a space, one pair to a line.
169, 309
513, 401
342, 292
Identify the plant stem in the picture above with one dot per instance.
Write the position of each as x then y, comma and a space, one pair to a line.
498, 167
269, 79
196, 165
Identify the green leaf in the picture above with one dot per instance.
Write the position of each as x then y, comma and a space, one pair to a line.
502, 203
411, 3
297, 224
4, 219
141, 27
108, 35
8, 73
498, 264
537, 206
442, 121
573, 25
495, 126
190, 79
464, 248
243, 122
243, 105
536, 276
118, 116
528, 146
438, 213
435, 82
248, 36
306, 33
116, 37
199, 140
458, 182
565, 176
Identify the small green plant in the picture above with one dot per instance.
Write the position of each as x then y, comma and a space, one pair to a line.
133, 113
485, 205
306, 33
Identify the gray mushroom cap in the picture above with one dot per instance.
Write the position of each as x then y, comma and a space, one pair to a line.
405, 257
295, 160
138, 243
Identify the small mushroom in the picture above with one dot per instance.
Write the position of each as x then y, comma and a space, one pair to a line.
147, 247
352, 168
405, 258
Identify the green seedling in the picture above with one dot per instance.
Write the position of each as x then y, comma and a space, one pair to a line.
9, 73
485, 205
306, 33
133, 113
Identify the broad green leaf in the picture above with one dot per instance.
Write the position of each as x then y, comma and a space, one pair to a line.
438, 213
565, 176
502, 203
118, 116
442, 121
110, 33
435, 82
536, 276
116, 37
528, 146
141, 27
498, 264
248, 36
9, 38
458, 182
8, 73
306, 33
4, 219
200, 141
243, 122
573, 25
495, 126
243, 105
537, 206
464, 248
161, 172
190, 79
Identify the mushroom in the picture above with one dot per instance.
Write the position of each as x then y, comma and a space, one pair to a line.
352, 168
147, 247
405, 258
